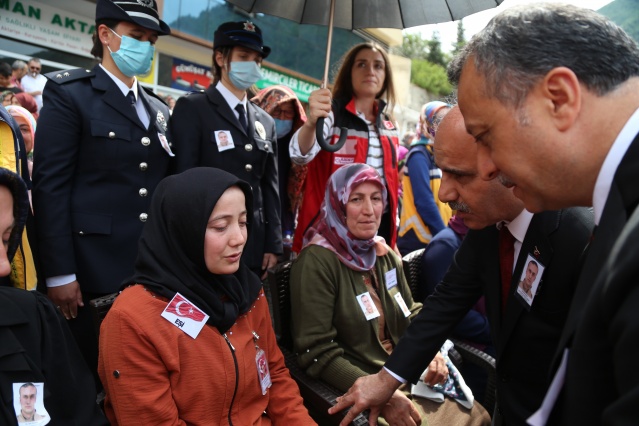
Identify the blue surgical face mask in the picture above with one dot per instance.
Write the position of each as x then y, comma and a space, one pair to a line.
283, 127
244, 74
134, 56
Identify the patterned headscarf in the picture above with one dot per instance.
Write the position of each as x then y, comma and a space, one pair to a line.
329, 229
18, 111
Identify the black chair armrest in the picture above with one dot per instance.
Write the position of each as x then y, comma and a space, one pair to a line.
474, 356
99, 308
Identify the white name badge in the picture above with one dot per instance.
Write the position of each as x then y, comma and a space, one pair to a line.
391, 278
185, 315
400, 301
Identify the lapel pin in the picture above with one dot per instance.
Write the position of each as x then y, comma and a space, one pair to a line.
536, 252
260, 129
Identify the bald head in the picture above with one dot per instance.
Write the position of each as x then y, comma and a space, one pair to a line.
478, 202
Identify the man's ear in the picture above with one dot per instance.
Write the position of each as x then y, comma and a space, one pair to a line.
562, 89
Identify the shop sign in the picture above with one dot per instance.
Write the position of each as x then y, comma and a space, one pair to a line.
43, 25
301, 88
188, 76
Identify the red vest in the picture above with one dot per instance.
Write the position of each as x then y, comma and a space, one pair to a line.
355, 150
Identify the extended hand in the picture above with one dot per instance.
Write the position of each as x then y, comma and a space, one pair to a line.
368, 392
401, 411
67, 298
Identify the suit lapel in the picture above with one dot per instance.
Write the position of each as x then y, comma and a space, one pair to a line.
224, 109
113, 96
536, 243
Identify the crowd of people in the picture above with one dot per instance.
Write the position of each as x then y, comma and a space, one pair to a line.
520, 192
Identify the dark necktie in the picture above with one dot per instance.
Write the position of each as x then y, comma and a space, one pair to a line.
240, 109
131, 97
506, 261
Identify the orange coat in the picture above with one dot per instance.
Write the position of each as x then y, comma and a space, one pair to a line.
155, 374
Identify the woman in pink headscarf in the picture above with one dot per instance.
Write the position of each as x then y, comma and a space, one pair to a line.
27, 125
350, 301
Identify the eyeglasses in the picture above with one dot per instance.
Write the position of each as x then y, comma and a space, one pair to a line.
35, 68
287, 114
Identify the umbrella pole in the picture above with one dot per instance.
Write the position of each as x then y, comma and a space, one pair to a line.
329, 42
319, 127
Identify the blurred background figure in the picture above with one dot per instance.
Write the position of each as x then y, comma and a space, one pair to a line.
7, 97
18, 70
281, 103
27, 124
422, 215
28, 102
33, 82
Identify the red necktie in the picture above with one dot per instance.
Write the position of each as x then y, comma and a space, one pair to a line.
506, 260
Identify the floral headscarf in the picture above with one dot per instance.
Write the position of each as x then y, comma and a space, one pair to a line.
329, 229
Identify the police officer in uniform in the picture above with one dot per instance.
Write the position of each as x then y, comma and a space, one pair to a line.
201, 123
103, 147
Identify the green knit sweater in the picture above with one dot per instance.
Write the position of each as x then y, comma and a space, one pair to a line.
332, 337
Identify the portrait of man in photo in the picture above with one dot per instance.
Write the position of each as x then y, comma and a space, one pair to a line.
224, 140
30, 410
367, 305
529, 280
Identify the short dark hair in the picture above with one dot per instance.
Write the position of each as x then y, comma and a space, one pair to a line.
28, 385
522, 44
5, 69
343, 86
98, 50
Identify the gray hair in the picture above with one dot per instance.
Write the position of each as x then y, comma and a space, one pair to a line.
522, 44
18, 65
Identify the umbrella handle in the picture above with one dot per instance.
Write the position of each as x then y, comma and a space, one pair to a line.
325, 145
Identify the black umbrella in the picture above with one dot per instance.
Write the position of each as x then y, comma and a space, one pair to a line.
351, 14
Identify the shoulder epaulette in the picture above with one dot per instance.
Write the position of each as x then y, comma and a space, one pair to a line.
62, 77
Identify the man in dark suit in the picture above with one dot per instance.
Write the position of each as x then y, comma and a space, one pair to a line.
563, 128
524, 335
37, 348
201, 121
102, 149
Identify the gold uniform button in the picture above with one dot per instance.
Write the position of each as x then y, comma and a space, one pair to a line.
144, 166
111, 135
248, 167
143, 192
143, 217
248, 147
146, 141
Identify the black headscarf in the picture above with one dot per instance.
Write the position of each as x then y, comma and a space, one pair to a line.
18, 189
171, 248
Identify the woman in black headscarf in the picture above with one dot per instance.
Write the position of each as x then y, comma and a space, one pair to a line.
189, 340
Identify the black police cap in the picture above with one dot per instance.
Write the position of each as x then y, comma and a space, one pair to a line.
141, 12
243, 33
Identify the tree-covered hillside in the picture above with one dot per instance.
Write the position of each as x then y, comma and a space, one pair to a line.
625, 13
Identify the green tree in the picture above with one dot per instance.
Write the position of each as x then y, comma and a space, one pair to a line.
431, 77
435, 54
413, 47
461, 38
